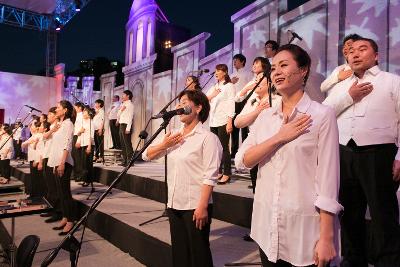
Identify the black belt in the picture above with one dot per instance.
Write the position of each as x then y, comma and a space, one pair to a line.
352, 146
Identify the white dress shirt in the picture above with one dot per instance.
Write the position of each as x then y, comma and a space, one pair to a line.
294, 183
47, 144
126, 115
252, 104
62, 140
223, 105
244, 77
373, 120
31, 147
8, 145
98, 120
239, 98
333, 78
191, 164
113, 115
78, 122
17, 134
87, 136
39, 147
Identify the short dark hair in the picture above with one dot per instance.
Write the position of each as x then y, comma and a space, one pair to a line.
100, 102
80, 105
116, 96
241, 58
373, 44
128, 93
53, 110
352, 37
301, 57
266, 66
196, 82
46, 125
198, 98
37, 123
274, 44
7, 129
224, 68
90, 111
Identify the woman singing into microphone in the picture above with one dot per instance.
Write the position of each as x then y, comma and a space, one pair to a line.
194, 156
295, 144
222, 111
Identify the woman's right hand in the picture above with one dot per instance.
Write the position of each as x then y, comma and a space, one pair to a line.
215, 93
171, 140
293, 129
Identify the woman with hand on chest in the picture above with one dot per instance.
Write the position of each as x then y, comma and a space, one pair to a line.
194, 155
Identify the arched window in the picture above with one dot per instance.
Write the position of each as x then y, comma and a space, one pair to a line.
139, 41
148, 40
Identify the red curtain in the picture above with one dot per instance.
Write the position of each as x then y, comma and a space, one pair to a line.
1, 115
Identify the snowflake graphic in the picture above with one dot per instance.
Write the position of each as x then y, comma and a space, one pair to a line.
395, 33
257, 37
163, 86
22, 89
363, 30
378, 5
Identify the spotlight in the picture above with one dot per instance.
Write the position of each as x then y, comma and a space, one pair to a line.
168, 44
78, 5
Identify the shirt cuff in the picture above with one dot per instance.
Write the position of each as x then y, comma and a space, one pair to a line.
328, 204
239, 164
144, 156
398, 154
210, 182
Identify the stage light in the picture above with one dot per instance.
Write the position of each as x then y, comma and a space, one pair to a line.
58, 28
167, 44
78, 5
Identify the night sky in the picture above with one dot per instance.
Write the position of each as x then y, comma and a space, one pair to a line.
99, 30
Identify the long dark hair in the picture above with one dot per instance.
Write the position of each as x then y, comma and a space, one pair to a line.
71, 113
224, 68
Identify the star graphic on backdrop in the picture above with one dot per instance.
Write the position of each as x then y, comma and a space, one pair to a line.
362, 30
393, 68
22, 89
395, 33
378, 5
257, 37
4, 97
317, 21
163, 86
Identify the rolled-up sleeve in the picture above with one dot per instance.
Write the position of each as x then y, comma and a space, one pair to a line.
212, 155
327, 174
68, 132
246, 145
230, 101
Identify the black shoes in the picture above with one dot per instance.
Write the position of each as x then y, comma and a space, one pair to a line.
47, 214
247, 238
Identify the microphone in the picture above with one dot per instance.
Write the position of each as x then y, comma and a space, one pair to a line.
35, 109
200, 72
295, 35
186, 110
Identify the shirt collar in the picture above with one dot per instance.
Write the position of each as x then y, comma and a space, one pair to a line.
375, 70
302, 106
199, 128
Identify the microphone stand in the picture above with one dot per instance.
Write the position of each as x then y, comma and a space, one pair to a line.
143, 135
70, 243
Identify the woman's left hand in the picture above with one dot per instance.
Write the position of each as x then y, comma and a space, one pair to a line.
88, 150
200, 217
324, 252
61, 169
229, 127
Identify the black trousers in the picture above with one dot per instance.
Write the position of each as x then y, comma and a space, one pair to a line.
50, 180
236, 131
17, 148
366, 179
253, 177
114, 128
190, 246
126, 143
77, 157
87, 164
223, 137
280, 263
5, 168
99, 144
36, 186
64, 192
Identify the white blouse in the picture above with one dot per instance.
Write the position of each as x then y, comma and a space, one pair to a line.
31, 147
62, 140
78, 122
87, 136
39, 147
47, 144
294, 183
191, 164
8, 145
223, 105
98, 120
126, 116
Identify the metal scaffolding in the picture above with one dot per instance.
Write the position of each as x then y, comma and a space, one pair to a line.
64, 11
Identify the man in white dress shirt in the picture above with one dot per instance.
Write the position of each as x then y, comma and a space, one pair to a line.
367, 106
343, 71
76, 156
239, 77
270, 49
98, 123
125, 118
114, 128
